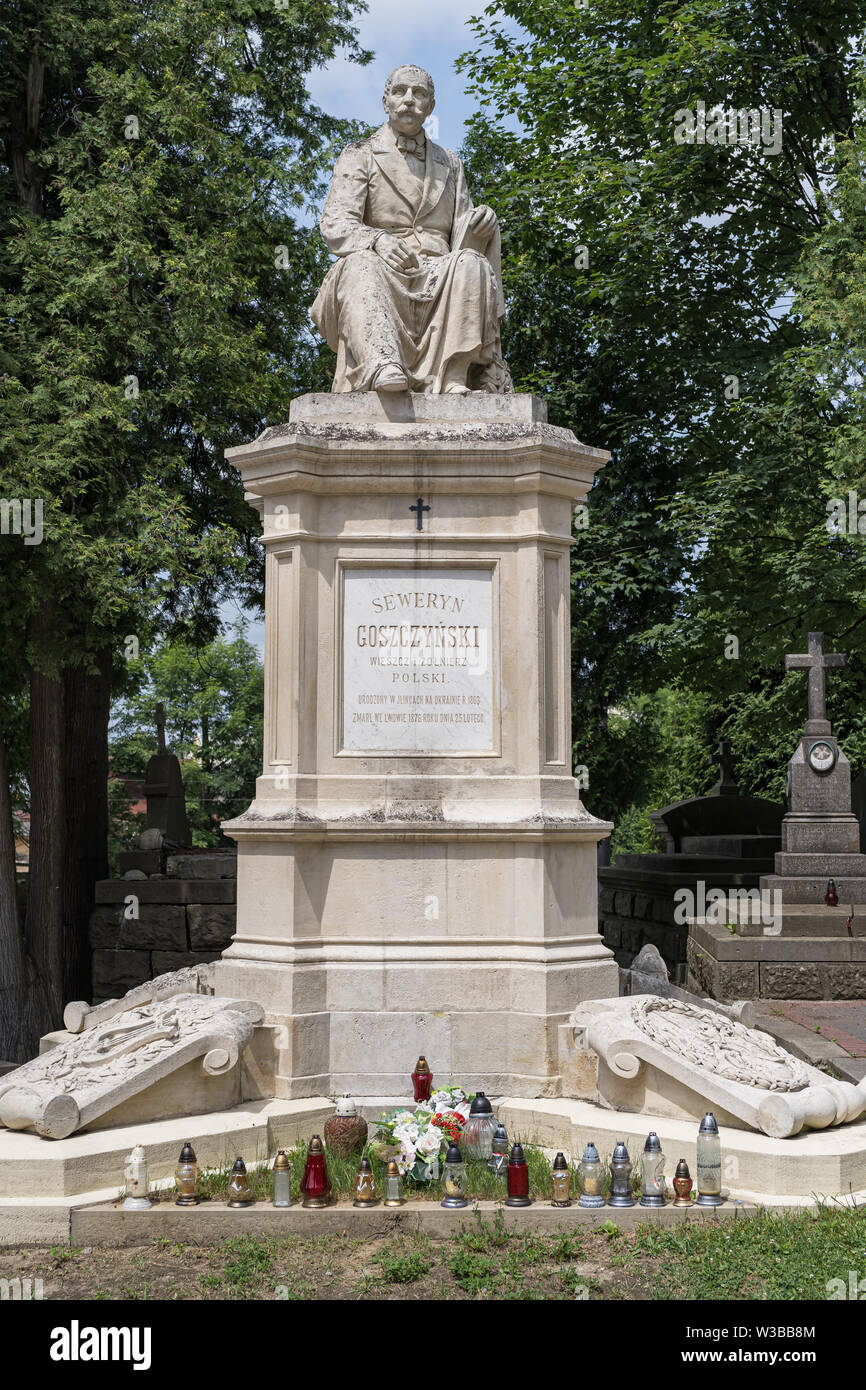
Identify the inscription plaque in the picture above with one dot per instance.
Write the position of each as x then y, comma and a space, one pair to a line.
417, 669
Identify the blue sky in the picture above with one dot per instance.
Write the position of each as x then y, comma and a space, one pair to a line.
429, 32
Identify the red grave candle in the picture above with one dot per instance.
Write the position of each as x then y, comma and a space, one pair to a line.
315, 1184
422, 1080
517, 1176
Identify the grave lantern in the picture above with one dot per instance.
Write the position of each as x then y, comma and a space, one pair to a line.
480, 1129
365, 1185
315, 1184
683, 1185
137, 1182
498, 1160
831, 897
422, 1080
709, 1163
282, 1180
652, 1173
621, 1194
186, 1177
393, 1186
560, 1178
454, 1178
590, 1179
240, 1192
345, 1131
517, 1175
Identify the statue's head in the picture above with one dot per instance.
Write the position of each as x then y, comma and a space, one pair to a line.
409, 98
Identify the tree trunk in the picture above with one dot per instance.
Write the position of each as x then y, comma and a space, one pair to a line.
15, 981
44, 928
86, 700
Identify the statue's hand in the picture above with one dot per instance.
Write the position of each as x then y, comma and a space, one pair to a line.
483, 221
396, 253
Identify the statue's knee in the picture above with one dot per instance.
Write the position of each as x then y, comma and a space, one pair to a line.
472, 262
365, 262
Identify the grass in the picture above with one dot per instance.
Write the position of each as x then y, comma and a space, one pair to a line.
792, 1256
768, 1256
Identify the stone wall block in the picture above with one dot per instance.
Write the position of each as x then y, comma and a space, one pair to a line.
211, 927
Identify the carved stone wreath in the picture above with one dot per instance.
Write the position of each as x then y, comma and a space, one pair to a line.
719, 1044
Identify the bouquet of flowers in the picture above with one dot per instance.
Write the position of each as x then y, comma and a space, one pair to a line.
420, 1133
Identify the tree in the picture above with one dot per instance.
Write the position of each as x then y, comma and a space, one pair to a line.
650, 288
155, 284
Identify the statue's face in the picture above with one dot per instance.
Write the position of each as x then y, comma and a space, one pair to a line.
409, 102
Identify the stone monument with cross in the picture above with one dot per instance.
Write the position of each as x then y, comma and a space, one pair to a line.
797, 942
417, 873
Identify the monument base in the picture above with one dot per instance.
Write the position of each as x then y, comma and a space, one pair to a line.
417, 873
469, 943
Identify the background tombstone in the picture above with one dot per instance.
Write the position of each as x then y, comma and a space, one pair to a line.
810, 949
167, 826
723, 840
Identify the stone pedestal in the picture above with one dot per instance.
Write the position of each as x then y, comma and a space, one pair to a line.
791, 945
417, 872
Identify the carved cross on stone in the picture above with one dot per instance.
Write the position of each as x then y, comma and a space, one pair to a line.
816, 662
420, 507
160, 730
726, 785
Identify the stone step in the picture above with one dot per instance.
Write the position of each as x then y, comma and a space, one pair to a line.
801, 919
812, 890
218, 864
828, 865
31, 1166
166, 890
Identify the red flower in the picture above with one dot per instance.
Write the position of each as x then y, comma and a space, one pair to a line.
451, 1122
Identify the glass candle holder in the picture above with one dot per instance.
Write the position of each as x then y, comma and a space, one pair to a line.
422, 1080
137, 1181
480, 1129
186, 1177
282, 1180
652, 1173
517, 1177
683, 1185
240, 1192
498, 1160
365, 1186
394, 1195
590, 1179
709, 1163
621, 1194
454, 1178
315, 1184
560, 1178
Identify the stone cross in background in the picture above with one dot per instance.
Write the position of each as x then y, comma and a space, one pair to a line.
816, 662
727, 784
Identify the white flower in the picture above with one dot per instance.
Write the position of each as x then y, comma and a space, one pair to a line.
406, 1159
402, 1118
430, 1143
406, 1134
441, 1100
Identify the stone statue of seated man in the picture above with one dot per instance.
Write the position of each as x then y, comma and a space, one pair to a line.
414, 301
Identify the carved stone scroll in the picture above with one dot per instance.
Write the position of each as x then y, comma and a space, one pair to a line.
693, 1051
123, 1054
